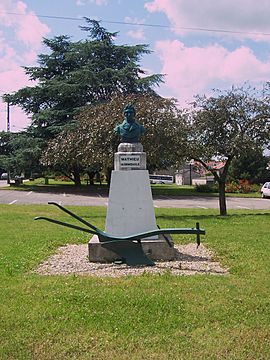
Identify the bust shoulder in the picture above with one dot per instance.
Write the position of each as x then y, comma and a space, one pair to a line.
129, 129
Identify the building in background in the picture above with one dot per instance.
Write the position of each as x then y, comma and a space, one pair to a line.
195, 174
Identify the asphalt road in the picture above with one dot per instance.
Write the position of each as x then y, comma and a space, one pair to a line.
203, 202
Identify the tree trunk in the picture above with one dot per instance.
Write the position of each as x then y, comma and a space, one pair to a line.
108, 175
222, 197
91, 176
76, 177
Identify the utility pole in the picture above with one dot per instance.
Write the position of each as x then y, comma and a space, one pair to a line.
8, 117
8, 130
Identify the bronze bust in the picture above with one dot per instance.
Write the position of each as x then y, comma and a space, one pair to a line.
129, 131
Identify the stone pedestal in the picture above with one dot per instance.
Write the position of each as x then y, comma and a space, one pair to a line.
130, 208
154, 249
130, 157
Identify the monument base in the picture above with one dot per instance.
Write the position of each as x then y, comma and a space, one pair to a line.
155, 249
130, 207
130, 211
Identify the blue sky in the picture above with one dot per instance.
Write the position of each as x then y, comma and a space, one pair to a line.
198, 44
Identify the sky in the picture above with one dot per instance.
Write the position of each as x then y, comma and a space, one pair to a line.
198, 45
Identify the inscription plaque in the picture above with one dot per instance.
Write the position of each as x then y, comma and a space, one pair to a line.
133, 161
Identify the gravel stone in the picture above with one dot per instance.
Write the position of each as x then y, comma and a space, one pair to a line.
73, 259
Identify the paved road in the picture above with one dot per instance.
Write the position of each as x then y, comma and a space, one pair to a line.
30, 197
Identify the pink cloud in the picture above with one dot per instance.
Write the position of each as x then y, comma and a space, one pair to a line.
136, 34
12, 79
21, 7
12, 76
100, 2
29, 57
18, 119
240, 15
28, 30
6, 6
97, 2
193, 70
26, 25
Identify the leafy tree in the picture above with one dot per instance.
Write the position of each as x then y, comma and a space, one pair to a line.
95, 142
20, 153
75, 74
224, 126
251, 165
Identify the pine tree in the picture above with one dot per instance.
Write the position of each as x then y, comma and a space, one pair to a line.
75, 74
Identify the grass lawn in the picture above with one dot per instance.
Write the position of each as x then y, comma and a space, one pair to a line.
157, 189
186, 190
144, 317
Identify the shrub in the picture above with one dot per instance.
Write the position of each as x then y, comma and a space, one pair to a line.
206, 188
241, 186
232, 187
62, 178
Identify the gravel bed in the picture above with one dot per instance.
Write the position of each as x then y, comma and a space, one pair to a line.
72, 259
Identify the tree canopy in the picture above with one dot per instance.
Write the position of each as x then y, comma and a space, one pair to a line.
74, 74
250, 165
95, 142
20, 153
224, 126
78, 94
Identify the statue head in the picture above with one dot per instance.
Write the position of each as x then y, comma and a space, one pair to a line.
130, 131
129, 112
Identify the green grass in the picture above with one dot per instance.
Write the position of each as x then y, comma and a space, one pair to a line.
157, 189
145, 317
186, 190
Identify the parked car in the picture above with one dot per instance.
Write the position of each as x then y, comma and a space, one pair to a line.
4, 176
265, 190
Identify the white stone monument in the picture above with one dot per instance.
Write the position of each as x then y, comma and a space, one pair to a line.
130, 208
